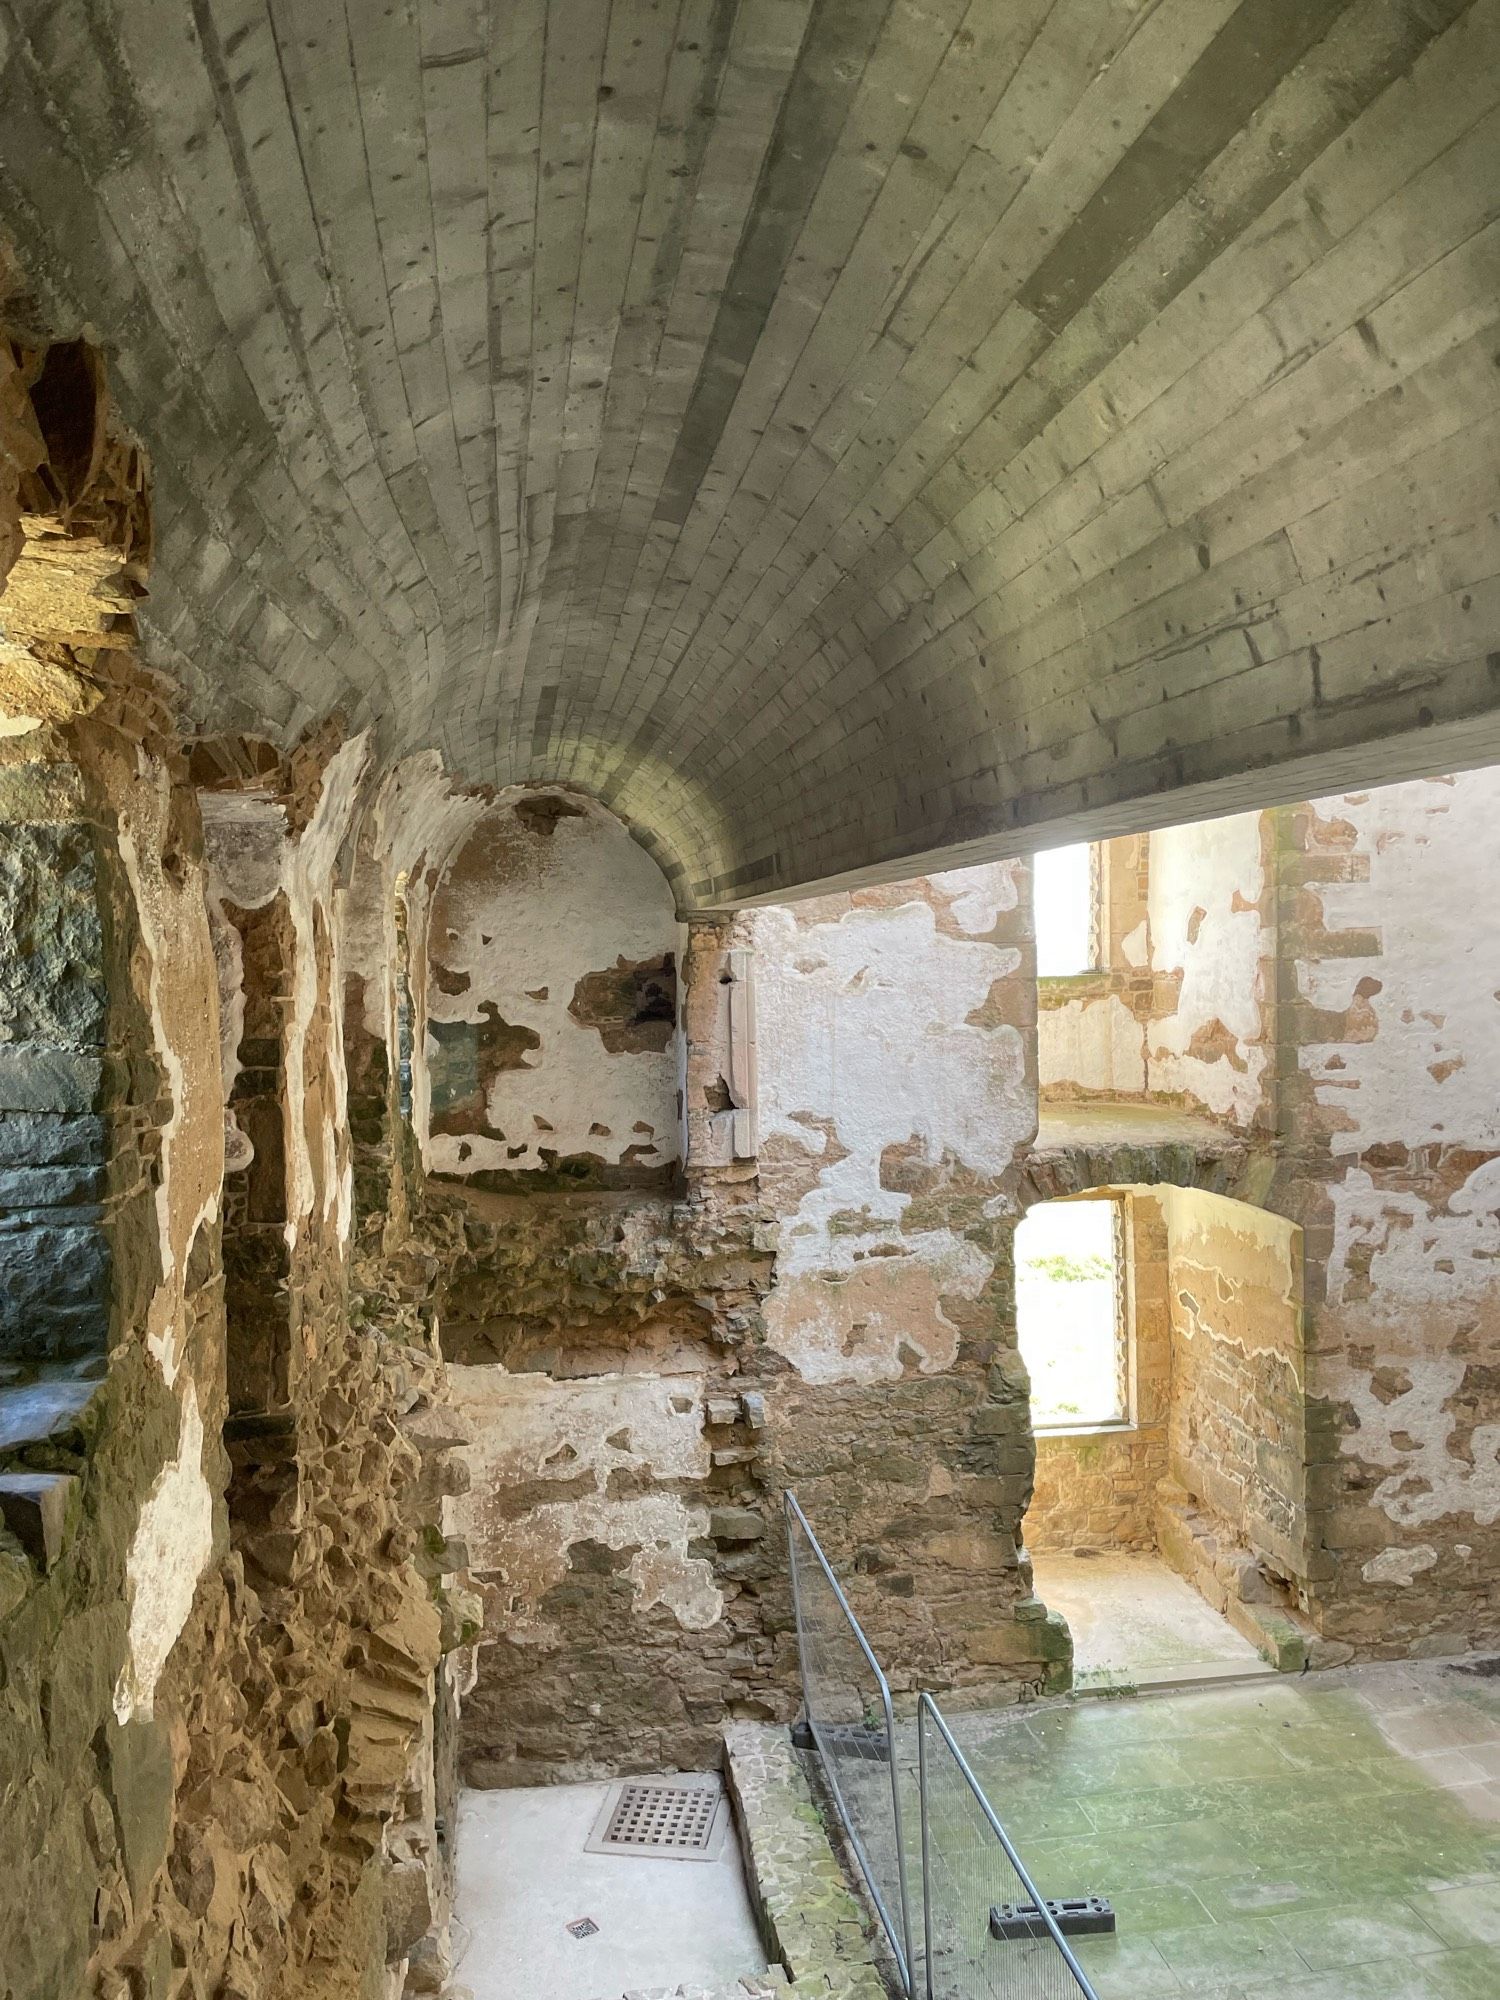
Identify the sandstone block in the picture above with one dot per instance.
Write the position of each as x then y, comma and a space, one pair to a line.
34, 1506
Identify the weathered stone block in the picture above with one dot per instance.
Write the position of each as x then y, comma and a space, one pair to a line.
408, 1907
38, 1410
34, 1077
34, 1507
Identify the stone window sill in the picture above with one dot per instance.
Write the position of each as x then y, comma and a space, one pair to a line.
1111, 1428
1055, 988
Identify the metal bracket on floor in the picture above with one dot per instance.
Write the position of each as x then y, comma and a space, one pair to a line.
1075, 1916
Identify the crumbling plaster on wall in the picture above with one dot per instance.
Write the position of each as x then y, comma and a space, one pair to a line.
549, 893
887, 1056
171, 968
172, 1546
1397, 980
1095, 1044
414, 824
1207, 885
1419, 1062
1178, 1007
256, 854
218, 1664
180, 970
619, 1452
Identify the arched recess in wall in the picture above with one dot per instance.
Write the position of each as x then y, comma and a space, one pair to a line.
1208, 1456
552, 1059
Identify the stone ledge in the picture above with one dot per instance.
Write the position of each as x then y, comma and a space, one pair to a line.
810, 1918
753, 1986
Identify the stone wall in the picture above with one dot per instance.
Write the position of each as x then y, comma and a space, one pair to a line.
1238, 1436
604, 1369
552, 1046
827, 1309
1180, 1010
1097, 1490
1319, 984
1389, 1029
222, 1685
897, 1089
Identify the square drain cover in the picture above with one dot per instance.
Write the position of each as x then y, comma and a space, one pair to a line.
682, 1820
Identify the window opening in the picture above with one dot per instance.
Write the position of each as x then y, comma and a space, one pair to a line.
1065, 893
1070, 1312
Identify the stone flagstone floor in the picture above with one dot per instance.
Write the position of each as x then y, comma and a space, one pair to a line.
1330, 1837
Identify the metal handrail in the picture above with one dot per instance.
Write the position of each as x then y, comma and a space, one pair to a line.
926, 1707
900, 1942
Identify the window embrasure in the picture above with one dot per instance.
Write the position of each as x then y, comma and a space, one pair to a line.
1067, 897
1071, 1312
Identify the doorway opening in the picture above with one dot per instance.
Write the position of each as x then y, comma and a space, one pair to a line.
1161, 1329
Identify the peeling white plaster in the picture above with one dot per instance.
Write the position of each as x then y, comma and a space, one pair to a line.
978, 897
563, 904
1214, 867
418, 821
863, 1032
171, 1548
1428, 1479
1419, 1256
1425, 845
1135, 946
1097, 1044
528, 1428
253, 858
310, 887
1411, 1272
1399, 1566
174, 928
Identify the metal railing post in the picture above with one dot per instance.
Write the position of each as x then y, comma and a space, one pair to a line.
926, 1706
970, 1965
926, 1850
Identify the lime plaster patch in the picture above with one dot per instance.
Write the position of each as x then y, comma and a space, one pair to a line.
171, 1548
1399, 1566
870, 1038
528, 1431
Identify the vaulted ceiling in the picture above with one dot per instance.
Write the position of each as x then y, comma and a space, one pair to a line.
833, 431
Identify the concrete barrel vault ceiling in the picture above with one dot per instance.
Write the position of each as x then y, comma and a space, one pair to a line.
831, 431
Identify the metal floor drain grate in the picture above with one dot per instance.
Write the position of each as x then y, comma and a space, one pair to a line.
682, 1822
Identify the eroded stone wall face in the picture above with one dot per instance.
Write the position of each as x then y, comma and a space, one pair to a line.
607, 1363
222, 1631
1390, 1054
1321, 987
1238, 1444
827, 1309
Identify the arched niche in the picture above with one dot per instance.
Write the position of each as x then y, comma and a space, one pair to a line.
553, 1045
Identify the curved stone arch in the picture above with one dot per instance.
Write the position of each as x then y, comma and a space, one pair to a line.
1244, 1531
1228, 1164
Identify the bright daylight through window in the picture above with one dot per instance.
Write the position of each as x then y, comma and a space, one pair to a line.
1063, 893
1069, 1300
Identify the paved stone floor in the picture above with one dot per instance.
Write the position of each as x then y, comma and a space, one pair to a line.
1326, 1837
1136, 1622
